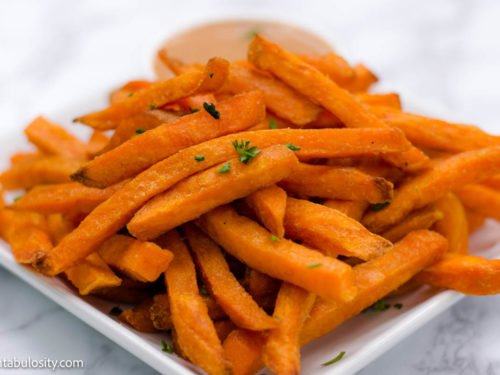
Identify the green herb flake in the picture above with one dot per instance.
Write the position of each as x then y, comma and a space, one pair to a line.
17, 198
130, 94
314, 265
292, 147
380, 305
210, 108
276, 317
199, 157
379, 206
247, 153
167, 348
272, 124
139, 131
115, 311
152, 106
336, 359
203, 291
275, 238
398, 306
211, 75
194, 110
251, 34
226, 168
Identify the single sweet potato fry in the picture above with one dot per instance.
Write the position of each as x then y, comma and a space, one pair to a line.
227, 291
333, 66
46, 170
436, 134
363, 79
127, 90
144, 150
481, 199
111, 215
446, 175
390, 100
53, 139
195, 331
310, 82
21, 157
269, 206
282, 349
423, 218
453, 226
279, 98
252, 244
91, 275
260, 285
202, 192
155, 96
143, 261
28, 236
353, 209
375, 279
464, 273
337, 183
139, 318
68, 198
330, 231
138, 124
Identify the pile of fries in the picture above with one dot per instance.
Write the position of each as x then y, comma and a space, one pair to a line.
253, 206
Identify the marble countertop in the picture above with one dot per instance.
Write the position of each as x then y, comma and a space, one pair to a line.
55, 51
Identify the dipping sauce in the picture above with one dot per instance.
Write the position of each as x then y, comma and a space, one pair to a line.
230, 40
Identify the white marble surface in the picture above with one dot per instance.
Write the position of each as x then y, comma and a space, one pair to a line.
54, 52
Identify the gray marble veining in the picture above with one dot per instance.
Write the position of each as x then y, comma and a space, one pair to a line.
54, 52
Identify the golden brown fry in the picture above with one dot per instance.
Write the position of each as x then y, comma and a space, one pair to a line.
139, 318
423, 218
337, 183
481, 199
453, 226
331, 231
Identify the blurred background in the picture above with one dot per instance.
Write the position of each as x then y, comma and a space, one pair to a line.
55, 52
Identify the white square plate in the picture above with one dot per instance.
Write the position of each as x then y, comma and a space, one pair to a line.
363, 338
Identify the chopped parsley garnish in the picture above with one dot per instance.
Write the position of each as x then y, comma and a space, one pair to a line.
130, 94
275, 238
194, 110
211, 75
152, 106
276, 317
314, 265
199, 157
380, 305
203, 291
398, 306
379, 206
272, 124
336, 359
251, 34
210, 108
139, 131
115, 311
292, 147
247, 154
226, 168
17, 198
167, 348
